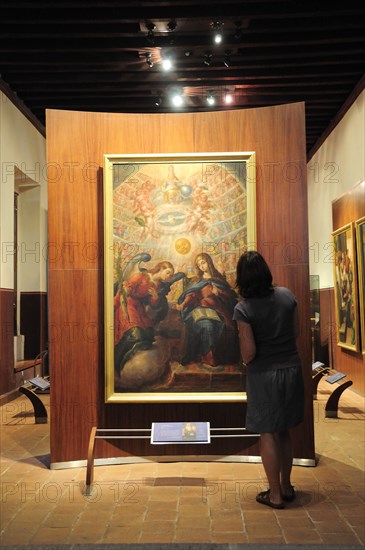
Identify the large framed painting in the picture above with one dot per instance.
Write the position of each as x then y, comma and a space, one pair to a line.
345, 287
360, 242
175, 226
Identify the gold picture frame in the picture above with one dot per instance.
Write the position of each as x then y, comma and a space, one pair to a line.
174, 228
360, 245
345, 287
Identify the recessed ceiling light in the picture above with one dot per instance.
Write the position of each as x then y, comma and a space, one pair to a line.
167, 64
218, 36
210, 99
177, 100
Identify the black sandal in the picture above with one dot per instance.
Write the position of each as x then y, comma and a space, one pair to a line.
291, 496
264, 498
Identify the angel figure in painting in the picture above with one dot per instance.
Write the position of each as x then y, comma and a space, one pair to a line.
140, 303
206, 308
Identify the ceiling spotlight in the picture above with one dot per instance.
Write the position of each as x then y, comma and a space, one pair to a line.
158, 101
151, 35
167, 64
149, 59
227, 59
171, 26
238, 34
228, 98
210, 99
217, 27
207, 59
188, 53
177, 99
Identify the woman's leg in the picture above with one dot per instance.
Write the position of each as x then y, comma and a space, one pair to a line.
270, 455
286, 454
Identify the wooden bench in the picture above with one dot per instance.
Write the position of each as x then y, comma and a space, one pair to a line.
335, 377
331, 410
21, 366
40, 411
27, 389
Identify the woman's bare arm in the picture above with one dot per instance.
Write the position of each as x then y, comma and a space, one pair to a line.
247, 342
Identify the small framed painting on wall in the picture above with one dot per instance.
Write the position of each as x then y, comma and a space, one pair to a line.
345, 287
360, 243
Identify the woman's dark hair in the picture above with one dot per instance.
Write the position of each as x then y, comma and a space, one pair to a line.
254, 279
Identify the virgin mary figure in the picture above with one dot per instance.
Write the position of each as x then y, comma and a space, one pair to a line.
206, 308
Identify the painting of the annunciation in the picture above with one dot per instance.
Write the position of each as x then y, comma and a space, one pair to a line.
175, 226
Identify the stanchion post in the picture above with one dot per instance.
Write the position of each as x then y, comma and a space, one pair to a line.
90, 461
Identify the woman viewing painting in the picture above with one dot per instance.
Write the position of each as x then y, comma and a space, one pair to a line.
268, 327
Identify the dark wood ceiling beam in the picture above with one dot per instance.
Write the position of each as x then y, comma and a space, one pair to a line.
282, 55
132, 11
90, 55
36, 28
243, 83
84, 103
139, 101
102, 41
244, 77
42, 94
44, 91
244, 80
284, 69
348, 68
98, 91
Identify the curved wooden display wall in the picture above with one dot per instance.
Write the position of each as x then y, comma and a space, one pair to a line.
76, 142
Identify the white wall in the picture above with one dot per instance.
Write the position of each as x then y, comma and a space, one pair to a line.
336, 167
23, 146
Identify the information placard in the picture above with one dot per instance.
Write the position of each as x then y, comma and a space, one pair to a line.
317, 365
335, 377
163, 433
40, 383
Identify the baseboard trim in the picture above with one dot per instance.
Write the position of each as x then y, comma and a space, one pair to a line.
9, 396
308, 462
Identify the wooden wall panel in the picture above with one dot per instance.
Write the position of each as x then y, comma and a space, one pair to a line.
75, 339
349, 207
74, 203
7, 378
346, 209
76, 283
349, 362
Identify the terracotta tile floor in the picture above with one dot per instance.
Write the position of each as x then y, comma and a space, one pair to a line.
182, 502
